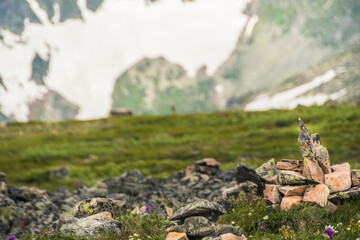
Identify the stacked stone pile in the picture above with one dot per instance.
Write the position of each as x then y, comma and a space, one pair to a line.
312, 179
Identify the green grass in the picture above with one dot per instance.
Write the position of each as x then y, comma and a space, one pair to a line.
161, 145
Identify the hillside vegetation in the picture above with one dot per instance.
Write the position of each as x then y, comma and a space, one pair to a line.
161, 145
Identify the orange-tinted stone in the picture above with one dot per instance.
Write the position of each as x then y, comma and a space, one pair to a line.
208, 162
271, 193
290, 165
344, 167
290, 202
317, 193
176, 236
338, 181
231, 236
293, 190
312, 171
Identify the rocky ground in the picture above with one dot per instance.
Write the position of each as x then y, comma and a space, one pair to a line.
200, 193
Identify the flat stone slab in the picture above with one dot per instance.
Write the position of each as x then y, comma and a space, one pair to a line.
197, 208
291, 178
293, 190
290, 165
350, 194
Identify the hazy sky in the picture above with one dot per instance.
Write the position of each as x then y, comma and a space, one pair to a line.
87, 56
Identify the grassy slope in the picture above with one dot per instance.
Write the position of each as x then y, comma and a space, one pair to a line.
160, 145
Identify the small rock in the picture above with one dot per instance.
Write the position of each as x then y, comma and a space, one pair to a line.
293, 190
2, 177
61, 173
272, 193
290, 202
321, 153
340, 179
26, 194
93, 206
102, 216
331, 207
189, 170
246, 187
207, 165
120, 112
317, 194
267, 169
291, 178
350, 194
88, 227
231, 236
176, 236
169, 211
313, 171
197, 208
290, 165
225, 228
245, 173
3, 188
355, 178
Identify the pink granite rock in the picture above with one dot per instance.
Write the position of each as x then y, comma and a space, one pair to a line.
312, 171
338, 181
290, 165
271, 193
293, 190
317, 193
176, 236
290, 202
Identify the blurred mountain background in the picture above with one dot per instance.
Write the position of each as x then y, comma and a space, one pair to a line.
276, 54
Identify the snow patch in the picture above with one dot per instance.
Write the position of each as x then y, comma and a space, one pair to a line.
291, 98
250, 26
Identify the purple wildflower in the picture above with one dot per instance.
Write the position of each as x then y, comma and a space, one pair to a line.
45, 235
245, 211
51, 234
330, 232
148, 208
266, 196
262, 228
12, 237
37, 231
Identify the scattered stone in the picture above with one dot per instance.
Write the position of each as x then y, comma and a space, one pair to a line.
304, 141
176, 236
313, 171
3, 188
2, 177
207, 165
317, 194
350, 194
231, 236
340, 179
225, 228
293, 190
272, 193
245, 173
246, 187
291, 178
189, 170
321, 153
355, 178
330, 207
89, 227
290, 165
93, 206
197, 208
26, 194
120, 112
61, 173
290, 202
267, 169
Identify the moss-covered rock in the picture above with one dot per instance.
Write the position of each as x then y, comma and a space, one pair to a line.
92, 206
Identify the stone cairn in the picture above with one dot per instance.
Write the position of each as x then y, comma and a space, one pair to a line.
312, 179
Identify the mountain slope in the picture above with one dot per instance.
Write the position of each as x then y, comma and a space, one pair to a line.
287, 38
155, 86
335, 79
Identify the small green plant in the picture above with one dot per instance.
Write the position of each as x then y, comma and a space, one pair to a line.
148, 227
249, 213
